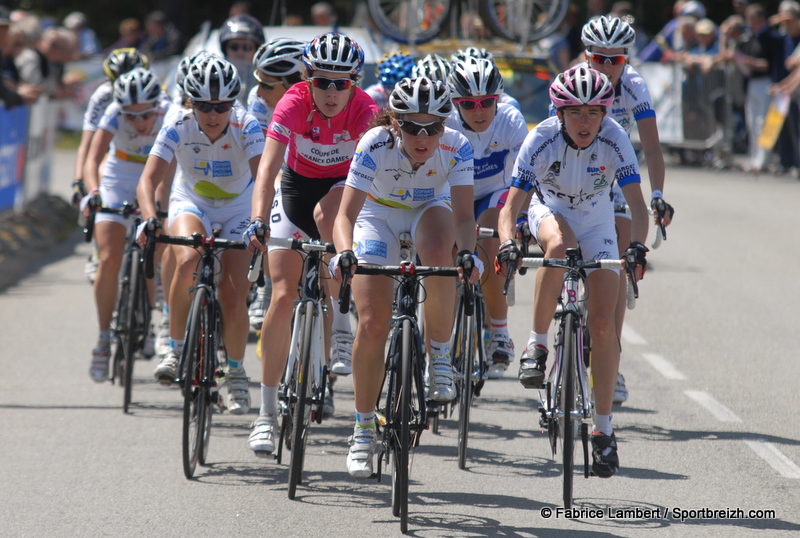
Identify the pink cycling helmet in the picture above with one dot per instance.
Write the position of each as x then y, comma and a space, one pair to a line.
581, 86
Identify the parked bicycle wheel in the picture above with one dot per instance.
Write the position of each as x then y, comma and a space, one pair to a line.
301, 417
513, 19
196, 352
396, 18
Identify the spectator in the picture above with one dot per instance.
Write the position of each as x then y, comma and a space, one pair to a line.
239, 37
25, 93
788, 18
732, 33
87, 39
739, 6
624, 10
323, 14
704, 52
130, 35
669, 39
16, 42
162, 39
45, 67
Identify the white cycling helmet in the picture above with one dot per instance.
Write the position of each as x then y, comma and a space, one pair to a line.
434, 67
139, 85
608, 33
475, 77
185, 64
212, 79
280, 57
471, 52
334, 52
581, 86
421, 95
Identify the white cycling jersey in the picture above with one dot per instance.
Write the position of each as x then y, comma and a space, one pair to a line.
212, 173
389, 179
495, 149
378, 94
575, 182
259, 108
98, 102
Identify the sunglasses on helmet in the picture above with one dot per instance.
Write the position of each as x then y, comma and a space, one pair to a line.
415, 129
206, 107
471, 103
608, 59
341, 84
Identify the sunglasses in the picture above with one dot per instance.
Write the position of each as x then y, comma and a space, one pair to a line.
468, 103
143, 115
341, 84
415, 129
244, 47
219, 108
604, 59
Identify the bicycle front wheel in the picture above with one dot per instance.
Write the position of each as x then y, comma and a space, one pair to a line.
132, 310
406, 415
464, 361
566, 402
196, 353
513, 19
302, 407
397, 18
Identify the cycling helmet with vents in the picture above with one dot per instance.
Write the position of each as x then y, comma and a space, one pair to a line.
475, 77
138, 85
581, 86
394, 68
212, 79
421, 96
123, 60
471, 52
434, 67
279, 57
241, 27
608, 33
334, 52
185, 64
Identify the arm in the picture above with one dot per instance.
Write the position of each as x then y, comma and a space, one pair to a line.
155, 170
267, 169
639, 213
463, 199
507, 221
95, 153
648, 134
83, 151
349, 208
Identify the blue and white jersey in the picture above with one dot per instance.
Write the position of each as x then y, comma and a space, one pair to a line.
576, 182
495, 149
259, 108
211, 172
381, 169
128, 150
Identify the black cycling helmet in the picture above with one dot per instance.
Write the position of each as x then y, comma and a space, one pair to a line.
241, 27
123, 60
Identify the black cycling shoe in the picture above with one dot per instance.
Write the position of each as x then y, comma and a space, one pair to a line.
605, 461
532, 367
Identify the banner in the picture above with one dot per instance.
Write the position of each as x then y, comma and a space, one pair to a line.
13, 133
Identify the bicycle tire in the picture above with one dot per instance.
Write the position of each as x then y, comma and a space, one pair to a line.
130, 323
117, 326
506, 18
210, 363
464, 354
405, 444
195, 354
302, 415
567, 404
391, 18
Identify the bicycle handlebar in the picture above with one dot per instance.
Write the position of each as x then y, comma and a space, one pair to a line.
196, 240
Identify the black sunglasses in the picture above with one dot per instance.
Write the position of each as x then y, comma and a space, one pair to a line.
415, 129
340, 84
246, 47
206, 107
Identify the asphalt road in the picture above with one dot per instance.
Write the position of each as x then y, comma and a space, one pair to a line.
710, 357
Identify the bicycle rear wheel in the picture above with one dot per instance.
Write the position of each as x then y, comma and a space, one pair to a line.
196, 352
396, 18
510, 19
302, 416
566, 402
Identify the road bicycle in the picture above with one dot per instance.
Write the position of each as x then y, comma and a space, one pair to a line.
419, 21
302, 391
567, 408
130, 323
199, 368
403, 415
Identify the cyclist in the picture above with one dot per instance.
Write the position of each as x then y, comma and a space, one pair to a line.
483, 54
239, 37
496, 132
402, 178
571, 162
278, 66
434, 67
320, 121
218, 146
118, 62
390, 70
126, 133
608, 42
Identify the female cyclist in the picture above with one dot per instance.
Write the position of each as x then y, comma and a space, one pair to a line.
608, 42
126, 133
218, 147
409, 151
571, 162
320, 121
496, 132
278, 66
390, 70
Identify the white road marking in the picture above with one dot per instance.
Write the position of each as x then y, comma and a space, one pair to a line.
776, 459
632, 337
663, 366
722, 413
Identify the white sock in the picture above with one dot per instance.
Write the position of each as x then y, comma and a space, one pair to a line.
498, 326
440, 349
341, 322
235, 364
602, 423
537, 339
269, 400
